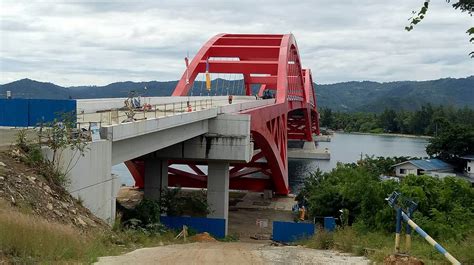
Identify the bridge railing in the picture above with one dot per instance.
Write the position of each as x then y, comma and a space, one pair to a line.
147, 111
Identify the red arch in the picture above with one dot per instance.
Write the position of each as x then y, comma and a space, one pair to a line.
272, 61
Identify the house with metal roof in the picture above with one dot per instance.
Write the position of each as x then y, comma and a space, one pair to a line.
469, 169
433, 167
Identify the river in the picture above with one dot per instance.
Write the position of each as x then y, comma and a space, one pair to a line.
347, 148
344, 147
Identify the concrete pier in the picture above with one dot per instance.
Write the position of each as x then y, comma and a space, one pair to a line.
156, 177
308, 151
322, 138
218, 191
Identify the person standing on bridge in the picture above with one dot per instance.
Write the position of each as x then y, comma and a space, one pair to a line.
230, 99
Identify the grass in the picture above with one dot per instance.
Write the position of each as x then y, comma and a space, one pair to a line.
25, 238
377, 245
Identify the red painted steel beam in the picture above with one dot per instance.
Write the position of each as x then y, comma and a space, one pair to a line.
245, 172
252, 184
255, 41
245, 52
267, 80
244, 67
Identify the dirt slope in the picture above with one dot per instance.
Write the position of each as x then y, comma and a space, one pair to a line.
25, 190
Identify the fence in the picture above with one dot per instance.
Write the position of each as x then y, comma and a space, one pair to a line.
117, 116
31, 112
289, 231
213, 226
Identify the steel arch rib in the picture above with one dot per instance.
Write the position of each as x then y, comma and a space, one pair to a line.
277, 56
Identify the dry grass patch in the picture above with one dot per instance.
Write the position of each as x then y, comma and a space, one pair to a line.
27, 237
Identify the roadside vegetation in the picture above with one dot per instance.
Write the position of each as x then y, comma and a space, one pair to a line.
445, 210
26, 238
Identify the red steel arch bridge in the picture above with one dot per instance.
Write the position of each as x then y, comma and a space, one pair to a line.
265, 63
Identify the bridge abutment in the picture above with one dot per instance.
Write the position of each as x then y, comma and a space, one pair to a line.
218, 191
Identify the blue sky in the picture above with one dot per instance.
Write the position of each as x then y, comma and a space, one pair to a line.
99, 42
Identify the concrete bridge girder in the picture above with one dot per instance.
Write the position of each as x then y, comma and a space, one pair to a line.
228, 139
134, 139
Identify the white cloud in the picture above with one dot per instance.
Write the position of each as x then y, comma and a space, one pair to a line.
98, 42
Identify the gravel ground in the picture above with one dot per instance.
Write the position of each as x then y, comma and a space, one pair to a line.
231, 253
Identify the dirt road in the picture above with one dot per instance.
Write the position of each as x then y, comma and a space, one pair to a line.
231, 253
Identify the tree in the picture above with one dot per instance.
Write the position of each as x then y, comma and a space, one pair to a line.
445, 206
387, 120
452, 143
327, 118
463, 5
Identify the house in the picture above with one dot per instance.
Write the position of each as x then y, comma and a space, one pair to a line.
432, 167
469, 169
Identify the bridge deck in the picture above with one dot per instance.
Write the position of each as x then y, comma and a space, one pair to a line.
109, 112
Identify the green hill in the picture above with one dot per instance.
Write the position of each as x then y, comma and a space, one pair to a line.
363, 96
409, 95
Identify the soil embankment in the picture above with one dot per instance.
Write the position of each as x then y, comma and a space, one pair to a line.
25, 190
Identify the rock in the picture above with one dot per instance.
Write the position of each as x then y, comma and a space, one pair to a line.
89, 221
31, 179
73, 211
58, 213
80, 221
2, 178
65, 205
47, 188
49, 206
2, 164
13, 200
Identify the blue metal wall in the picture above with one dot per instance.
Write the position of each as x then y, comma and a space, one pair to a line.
289, 231
329, 224
214, 226
46, 110
30, 112
14, 112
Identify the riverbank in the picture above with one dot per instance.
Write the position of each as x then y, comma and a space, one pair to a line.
389, 134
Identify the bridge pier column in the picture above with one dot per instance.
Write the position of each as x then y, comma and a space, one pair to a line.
218, 191
309, 146
156, 178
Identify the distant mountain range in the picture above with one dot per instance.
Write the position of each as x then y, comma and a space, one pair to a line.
364, 96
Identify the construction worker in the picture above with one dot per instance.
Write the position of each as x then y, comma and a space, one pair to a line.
189, 106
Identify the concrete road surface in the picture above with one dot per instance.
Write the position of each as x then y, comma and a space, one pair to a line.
231, 253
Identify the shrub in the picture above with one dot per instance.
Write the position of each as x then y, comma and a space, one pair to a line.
445, 206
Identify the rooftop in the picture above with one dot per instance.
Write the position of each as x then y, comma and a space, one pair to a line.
468, 157
428, 164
